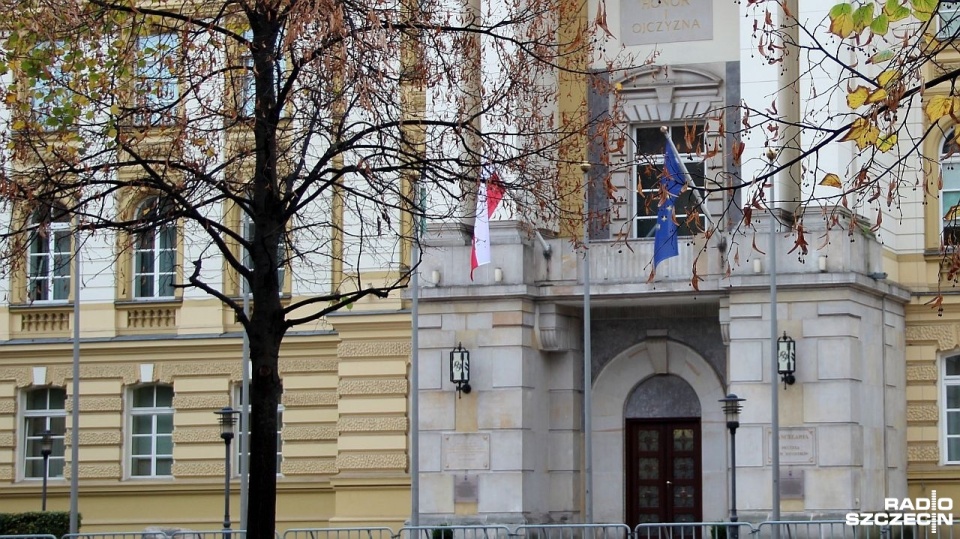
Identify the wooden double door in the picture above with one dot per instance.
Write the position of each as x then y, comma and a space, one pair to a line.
663, 470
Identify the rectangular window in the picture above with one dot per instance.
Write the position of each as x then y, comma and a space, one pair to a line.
951, 423
48, 278
651, 146
948, 17
242, 432
44, 412
151, 431
156, 88
49, 95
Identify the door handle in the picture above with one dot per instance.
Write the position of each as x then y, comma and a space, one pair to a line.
669, 483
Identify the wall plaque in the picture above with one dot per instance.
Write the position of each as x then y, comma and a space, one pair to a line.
647, 22
791, 485
465, 488
466, 451
798, 446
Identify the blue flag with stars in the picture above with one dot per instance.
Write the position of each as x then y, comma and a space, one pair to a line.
672, 181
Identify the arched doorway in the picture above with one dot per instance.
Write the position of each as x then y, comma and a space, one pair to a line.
662, 461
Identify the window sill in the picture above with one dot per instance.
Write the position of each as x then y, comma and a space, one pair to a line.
147, 316
41, 319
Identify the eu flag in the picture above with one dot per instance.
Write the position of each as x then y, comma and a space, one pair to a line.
672, 181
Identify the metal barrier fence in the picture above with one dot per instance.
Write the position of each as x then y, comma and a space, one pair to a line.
29, 536
339, 533
454, 532
156, 533
573, 531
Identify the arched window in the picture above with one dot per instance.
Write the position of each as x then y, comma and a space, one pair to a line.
43, 411
154, 251
48, 276
151, 431
950, 193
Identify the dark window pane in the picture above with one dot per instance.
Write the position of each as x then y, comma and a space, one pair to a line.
953, 366
143, 397
164, 396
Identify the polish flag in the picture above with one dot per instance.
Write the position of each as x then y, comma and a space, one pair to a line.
489, 194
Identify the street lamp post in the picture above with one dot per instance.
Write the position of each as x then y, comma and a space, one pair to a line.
227, 420
731, 408
46, 447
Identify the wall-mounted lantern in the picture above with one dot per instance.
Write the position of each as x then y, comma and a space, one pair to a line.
460, 368
786, 359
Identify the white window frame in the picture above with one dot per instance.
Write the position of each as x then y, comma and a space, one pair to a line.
162, 259
241, 432
154, 413
948, 381
948, 20
56, 434
157, 88
636, 190
46, 267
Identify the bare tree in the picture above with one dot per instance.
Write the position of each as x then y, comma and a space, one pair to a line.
268, 135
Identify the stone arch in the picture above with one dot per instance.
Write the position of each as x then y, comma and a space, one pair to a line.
662, 396
611, 392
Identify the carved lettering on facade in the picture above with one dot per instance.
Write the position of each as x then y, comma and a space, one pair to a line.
646, 22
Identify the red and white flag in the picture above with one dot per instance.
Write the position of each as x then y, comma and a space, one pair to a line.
489, 194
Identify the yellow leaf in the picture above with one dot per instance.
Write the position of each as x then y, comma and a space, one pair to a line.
939, 106
863, 133
887, 142
19, 124
887, 76
877, 96
831, 180
11, 98
842, 26
857, 97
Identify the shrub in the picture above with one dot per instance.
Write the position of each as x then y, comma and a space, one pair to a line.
56, 523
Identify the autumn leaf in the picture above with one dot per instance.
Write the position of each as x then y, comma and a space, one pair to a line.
939, 106
880, 25
894, 11
858, 97
841, 20
886, 142
831, 180
877, 96
862, 17
880, 56
887, 77
863, 132
924, 9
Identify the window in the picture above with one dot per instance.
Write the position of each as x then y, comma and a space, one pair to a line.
156, 83
154, 251
50, 98
242, 432
650, 149
43, 411
151, 432
951, 411
249, 227
948, 15
48, 277
950, 194
244, 89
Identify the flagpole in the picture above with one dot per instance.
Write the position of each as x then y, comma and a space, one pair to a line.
587, 355
774, 382
415, 366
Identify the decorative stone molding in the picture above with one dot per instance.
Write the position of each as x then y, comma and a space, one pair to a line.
297, 433
372, 424
190, 435
6, 472
922, 372
372, 461
45, 321
310, 398
7, 406
922, 412
97, 404
308, 365
664, 93
308, 466
200, 402
100, 437
99, 471
152, 318
945, 335
374, 349
555, 330
197, 368
923, 452
6, 439
198, 468
366, 386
